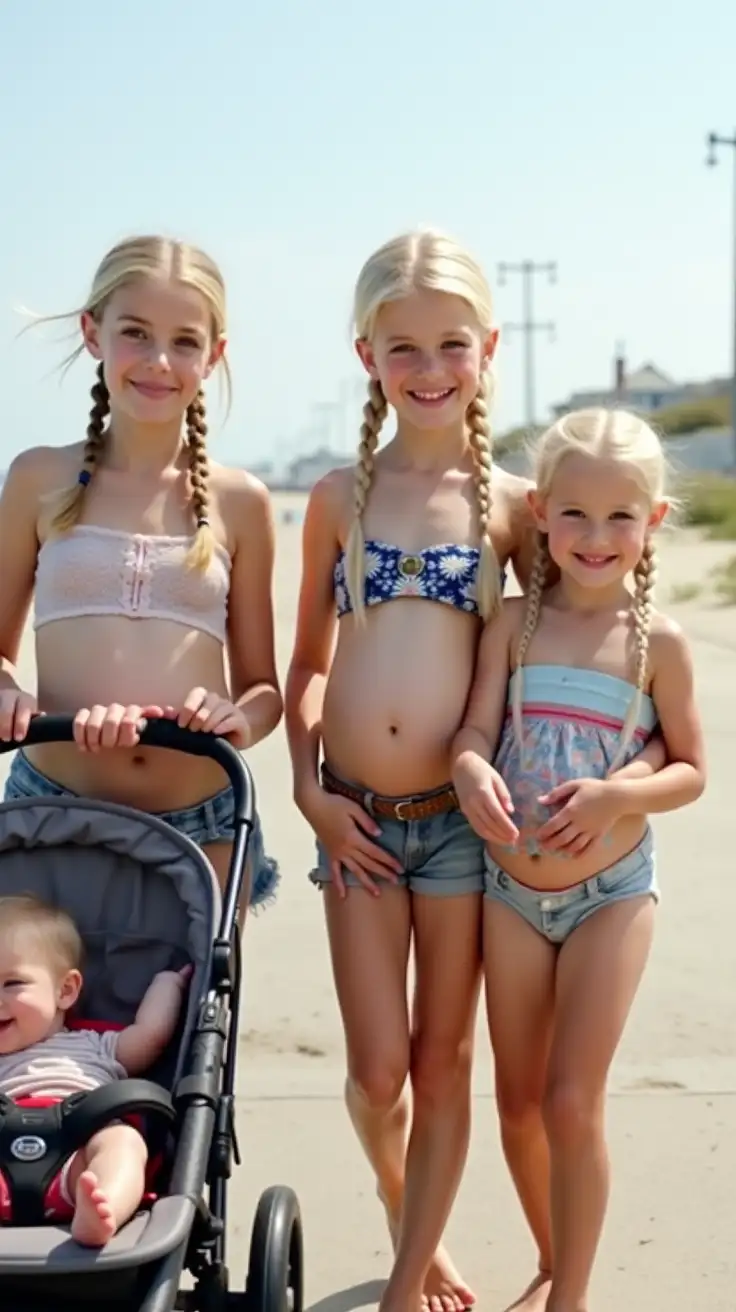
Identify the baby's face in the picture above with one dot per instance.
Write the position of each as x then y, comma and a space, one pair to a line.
34, 995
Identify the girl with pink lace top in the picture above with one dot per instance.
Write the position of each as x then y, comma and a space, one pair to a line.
151, 565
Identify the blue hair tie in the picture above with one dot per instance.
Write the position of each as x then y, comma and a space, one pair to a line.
84, 477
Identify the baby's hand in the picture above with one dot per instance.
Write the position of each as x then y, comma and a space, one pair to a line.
179, 979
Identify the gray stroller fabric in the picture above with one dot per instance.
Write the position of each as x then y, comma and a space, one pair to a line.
145, 899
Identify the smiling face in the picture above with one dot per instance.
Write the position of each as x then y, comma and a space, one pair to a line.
36, 991
428, 352
155, 338
596, 515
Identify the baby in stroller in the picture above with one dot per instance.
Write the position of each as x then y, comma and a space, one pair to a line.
43, 1061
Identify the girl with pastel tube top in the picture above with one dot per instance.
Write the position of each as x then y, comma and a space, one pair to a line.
572, 681
149, 564
403, 560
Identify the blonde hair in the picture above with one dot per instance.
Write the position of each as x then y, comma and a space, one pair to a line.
128, 261
51, 931
430, 261
601, 434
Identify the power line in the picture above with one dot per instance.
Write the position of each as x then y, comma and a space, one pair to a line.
714, 141
528, 325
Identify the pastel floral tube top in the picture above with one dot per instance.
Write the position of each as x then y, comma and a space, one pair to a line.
572, 721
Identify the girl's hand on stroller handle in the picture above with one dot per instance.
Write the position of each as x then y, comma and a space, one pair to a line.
209, 712
116, 725
164, 733
17, 709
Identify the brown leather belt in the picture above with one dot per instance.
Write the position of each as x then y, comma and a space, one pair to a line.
421, 807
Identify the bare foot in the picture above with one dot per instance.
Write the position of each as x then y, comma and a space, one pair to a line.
534, 1298
444, 1288
94, 1223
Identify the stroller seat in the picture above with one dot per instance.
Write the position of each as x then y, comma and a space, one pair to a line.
145, 899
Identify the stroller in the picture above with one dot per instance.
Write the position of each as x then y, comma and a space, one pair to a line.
145, 899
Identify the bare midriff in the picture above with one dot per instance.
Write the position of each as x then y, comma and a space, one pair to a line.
101, 660
552, 874
396, 695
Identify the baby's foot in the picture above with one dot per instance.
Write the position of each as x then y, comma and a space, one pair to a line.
444, 1288
534, 1298
94, 1223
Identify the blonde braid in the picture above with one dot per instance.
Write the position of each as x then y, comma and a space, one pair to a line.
70, 501
534, 595
645, 578
200, 552
488, 587
374, 415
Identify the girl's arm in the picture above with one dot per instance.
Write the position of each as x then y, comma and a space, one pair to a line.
682, 780
314, 640
651, 758
251, 645
18, 555
343, 827
482, 794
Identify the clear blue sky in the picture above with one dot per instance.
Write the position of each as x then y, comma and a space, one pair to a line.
291, 137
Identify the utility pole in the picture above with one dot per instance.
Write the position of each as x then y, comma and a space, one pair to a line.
528, 325
714, 141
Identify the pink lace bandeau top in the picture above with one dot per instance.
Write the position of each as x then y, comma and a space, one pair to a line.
104, 571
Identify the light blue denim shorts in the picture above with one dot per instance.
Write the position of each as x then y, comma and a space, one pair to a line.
441, 856
555, 915
210, 821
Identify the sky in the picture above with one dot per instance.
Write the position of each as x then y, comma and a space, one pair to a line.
290, 138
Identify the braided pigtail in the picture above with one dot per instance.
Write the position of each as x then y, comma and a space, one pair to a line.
200, 552
374, 416
645, 578
489, 591
537, 583
70, 501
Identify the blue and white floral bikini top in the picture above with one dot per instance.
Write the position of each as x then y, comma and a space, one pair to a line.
446, 574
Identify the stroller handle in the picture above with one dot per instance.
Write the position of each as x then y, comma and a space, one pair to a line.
159, 733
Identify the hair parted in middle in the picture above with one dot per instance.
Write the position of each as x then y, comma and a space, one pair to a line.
425, 260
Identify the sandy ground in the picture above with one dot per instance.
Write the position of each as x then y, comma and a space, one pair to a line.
669, 1237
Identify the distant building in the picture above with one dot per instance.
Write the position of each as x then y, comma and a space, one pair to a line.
646, 390
263, 470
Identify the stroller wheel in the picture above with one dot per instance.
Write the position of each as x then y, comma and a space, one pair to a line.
276, 1266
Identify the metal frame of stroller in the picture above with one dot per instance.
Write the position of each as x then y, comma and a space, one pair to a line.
202, 1103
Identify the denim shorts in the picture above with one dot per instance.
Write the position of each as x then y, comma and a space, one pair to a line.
210, 821
440, 856
555, 915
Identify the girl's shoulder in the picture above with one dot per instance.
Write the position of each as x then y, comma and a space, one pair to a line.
39, 471
45, 464
511, 487
236, 490
667, 641
332, 498
236, 484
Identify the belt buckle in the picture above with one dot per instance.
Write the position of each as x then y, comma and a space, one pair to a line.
399, 810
